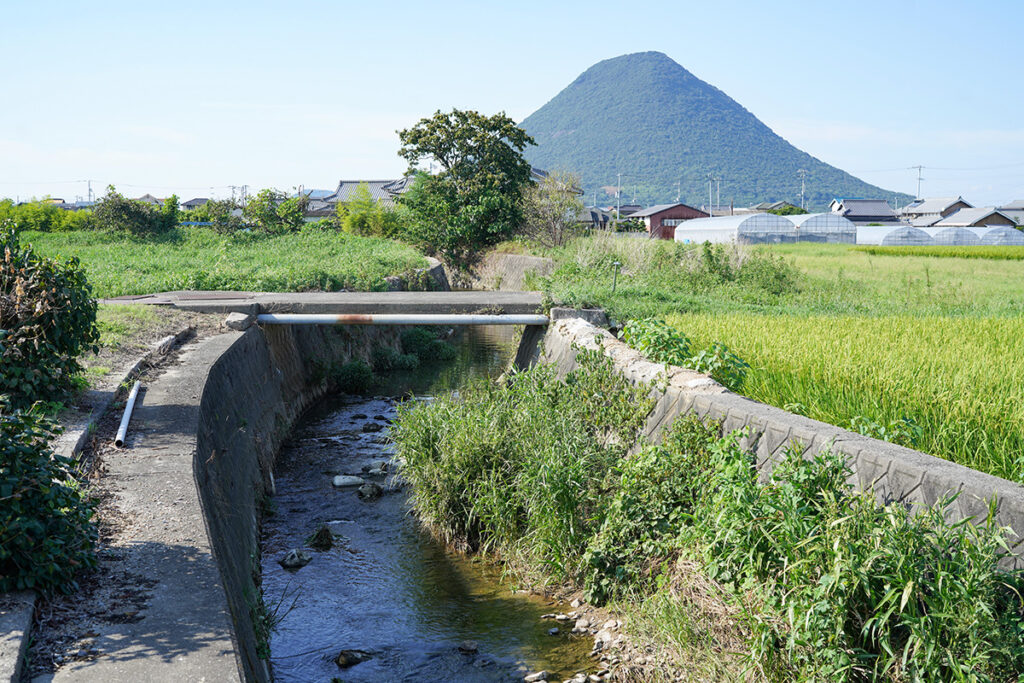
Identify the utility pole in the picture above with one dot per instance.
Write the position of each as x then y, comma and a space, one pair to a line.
679, 190
89, 184
618, 196
718, 193
919, 178
803, 177
710, 210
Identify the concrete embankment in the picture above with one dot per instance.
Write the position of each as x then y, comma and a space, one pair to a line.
893, 472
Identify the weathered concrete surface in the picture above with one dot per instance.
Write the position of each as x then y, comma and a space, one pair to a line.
594, 316
345, 302
258, 387
78, 423
185, 631
893, 472
510, 272
15, 625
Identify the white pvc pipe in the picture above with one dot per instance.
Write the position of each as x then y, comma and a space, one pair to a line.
127, 417
399, 319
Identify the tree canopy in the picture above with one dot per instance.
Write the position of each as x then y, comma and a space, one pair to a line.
475, 200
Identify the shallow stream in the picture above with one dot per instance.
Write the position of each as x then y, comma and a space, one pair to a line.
386, 588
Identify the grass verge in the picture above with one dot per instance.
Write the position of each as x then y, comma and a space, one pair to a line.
201, 259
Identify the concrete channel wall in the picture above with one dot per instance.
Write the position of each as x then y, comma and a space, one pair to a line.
893, 472
252, 396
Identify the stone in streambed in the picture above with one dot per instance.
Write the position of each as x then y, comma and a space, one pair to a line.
535, 677
347, 658
468, 647
344, 481
373, 427
370, 491
295, 559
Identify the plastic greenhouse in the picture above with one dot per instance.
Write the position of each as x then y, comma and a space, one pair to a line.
824, 227
1003, 237
756, 228
907, 236
953, 236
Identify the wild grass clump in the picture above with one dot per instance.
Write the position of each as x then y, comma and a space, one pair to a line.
807, 578
521, 468
657, 276
850, 589
663, 344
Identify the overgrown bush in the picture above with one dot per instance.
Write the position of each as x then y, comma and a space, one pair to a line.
386, 359
423, 343
657, 490
662, 343
850, 589
117, 213
354, 377
44, 216
47, 318
46, 532
522, 467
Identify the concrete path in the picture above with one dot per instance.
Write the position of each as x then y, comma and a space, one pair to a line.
342, 302
184, 633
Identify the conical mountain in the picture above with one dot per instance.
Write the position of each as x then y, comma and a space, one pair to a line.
646, 117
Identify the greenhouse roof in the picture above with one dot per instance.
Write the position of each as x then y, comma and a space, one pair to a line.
751, 222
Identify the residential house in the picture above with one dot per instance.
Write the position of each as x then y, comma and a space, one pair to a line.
661, 220
923, 213
383, 191
194, 203
150, 199
864, 211
1014, 210
770, 207
980, 217
594, 218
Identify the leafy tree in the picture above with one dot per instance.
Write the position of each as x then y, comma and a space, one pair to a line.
788, 211
476, 199
552, 209
274, 212
219, 212
364, 215
169, 212
115, 212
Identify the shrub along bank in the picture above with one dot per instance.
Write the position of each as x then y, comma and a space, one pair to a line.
47, 318
821, 582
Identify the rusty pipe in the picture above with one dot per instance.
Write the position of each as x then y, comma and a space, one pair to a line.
399, 319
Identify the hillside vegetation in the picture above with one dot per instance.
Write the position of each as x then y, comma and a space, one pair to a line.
645, 116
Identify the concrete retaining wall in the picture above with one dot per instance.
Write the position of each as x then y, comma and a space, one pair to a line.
253, 394
893, 472
510, 271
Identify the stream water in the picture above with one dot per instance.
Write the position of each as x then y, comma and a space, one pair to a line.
386, 588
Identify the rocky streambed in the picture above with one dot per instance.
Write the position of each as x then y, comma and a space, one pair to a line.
359, 592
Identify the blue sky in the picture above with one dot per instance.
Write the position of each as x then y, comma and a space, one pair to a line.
184, 97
